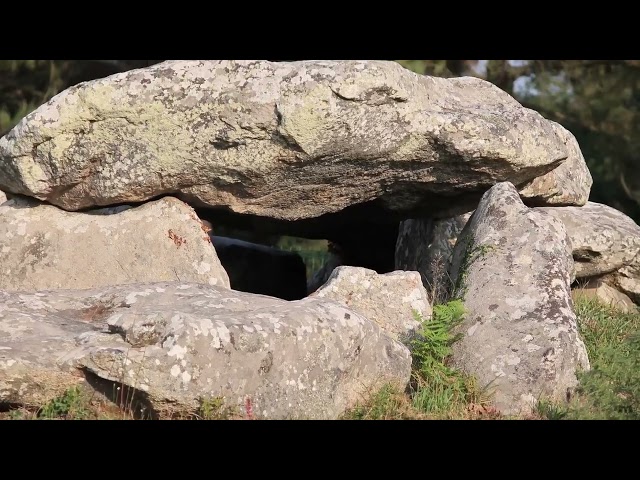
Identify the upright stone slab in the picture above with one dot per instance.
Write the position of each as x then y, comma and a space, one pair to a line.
519, 337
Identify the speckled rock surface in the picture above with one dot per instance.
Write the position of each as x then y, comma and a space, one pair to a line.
389, 300
520, 335
3, 197
36, 329
425, 245
598, 289
43, 247
568, 184
285, 140
183, 342
603, 239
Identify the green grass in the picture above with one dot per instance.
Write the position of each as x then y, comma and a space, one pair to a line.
436, 389
611, 388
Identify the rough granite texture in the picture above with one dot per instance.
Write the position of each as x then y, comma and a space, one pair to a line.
389, 299
3, 197
283, 140
182, 343
43, 247
603, 239
568, 184
425, 245
519, 336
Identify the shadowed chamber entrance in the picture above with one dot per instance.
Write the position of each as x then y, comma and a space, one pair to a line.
266, 261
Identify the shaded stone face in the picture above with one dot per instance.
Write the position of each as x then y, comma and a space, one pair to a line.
426, 245
297, 141
627, 279
512, 268
182, 343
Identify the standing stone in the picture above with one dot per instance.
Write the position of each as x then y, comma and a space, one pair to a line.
519, 338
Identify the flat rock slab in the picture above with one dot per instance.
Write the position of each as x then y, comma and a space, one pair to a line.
36, 329
282, 140
519, 337
389, 300
43, 247
603, 239
180, 344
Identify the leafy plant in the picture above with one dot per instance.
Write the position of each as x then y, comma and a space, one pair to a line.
437, 386
70, 404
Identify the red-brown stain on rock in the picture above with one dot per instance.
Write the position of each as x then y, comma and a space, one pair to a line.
177, 239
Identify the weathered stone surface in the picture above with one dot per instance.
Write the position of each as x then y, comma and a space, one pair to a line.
3, 197
389, 300
568, 184
283, 140
261, 269
36, 329
425, 245
627, 279
43, 247
520, 336
597, 288
180, 343
602, 238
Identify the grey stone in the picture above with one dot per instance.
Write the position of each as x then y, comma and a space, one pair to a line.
519, 337
568, 184
389, 300
426, 245
627, 279
597, 288
602, 238
179, 344
284, 140
43, 247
